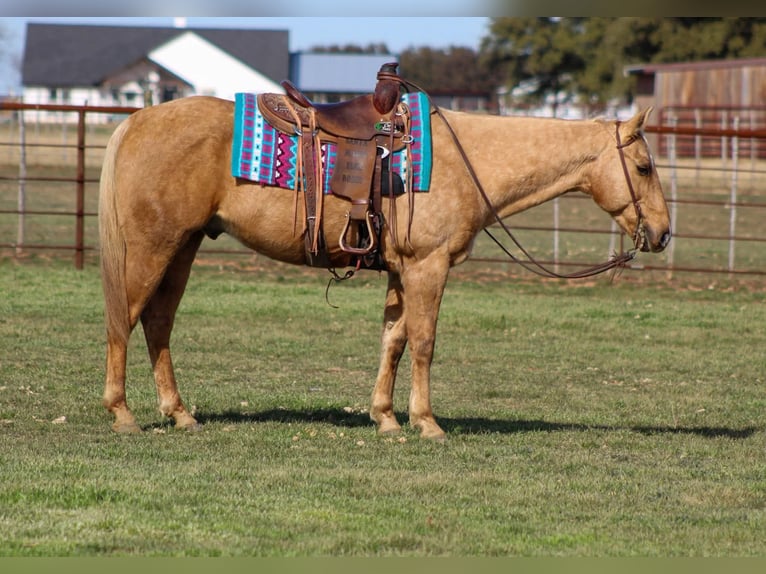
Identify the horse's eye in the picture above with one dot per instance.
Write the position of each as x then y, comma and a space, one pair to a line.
644, 169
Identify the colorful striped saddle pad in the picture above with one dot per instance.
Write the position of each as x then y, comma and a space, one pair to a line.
263, 154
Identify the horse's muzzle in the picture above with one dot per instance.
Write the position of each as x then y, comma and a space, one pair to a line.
656, 241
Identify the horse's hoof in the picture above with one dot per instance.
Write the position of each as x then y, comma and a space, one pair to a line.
126, 428
431, 431
390, 431
389, 428
189, 424
440, 438
184, 421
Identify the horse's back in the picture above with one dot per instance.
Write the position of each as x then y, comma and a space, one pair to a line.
173, 160
179, 126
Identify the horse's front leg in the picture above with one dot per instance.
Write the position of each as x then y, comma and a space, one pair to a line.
423, 286
393, 342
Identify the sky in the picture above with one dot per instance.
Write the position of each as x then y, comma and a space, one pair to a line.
304, 32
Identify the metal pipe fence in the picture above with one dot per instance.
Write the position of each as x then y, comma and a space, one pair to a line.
717, 203
79, 179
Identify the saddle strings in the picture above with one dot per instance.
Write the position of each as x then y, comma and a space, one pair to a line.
299, 182
402, 111
318, 187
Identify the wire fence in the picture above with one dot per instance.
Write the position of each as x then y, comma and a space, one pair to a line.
714, 174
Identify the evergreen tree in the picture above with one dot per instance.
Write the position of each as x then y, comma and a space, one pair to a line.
544, 55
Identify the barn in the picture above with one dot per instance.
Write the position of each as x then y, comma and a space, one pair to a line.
720, 94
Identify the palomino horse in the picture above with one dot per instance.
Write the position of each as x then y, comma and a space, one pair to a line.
166, 183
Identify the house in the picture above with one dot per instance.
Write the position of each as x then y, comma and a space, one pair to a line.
705, 94
124, 65
133, 66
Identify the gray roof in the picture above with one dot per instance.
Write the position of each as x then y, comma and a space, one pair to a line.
653, 68
63, 55
333, 72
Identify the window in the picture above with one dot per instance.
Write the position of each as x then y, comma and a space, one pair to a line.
169, 93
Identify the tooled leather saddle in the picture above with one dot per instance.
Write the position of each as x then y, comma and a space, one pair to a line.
366, 130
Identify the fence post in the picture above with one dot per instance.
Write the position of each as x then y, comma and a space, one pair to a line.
21, 203
673, 157
753, 151
697, 146
724, 142
80, 210
733, 194
556, 220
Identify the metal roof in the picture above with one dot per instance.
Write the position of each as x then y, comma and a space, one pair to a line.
80, 55
696, 65
339, 73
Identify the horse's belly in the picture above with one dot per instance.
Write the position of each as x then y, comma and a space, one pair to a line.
269, 221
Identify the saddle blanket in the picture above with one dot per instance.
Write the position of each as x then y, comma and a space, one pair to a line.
263, 154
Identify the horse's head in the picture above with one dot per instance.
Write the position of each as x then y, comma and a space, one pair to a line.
626, 185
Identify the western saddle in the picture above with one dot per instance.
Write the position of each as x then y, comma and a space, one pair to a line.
367, 130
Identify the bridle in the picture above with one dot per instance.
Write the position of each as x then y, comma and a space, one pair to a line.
639, 235
531, 264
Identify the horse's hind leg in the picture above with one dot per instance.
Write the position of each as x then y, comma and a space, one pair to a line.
121, 320
157, 319
114, 391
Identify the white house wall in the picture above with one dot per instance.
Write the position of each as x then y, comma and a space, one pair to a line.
66, 96
209, 69
127, 87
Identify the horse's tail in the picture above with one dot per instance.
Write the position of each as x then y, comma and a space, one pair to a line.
112, 244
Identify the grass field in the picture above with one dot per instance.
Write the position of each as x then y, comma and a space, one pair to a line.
584, 419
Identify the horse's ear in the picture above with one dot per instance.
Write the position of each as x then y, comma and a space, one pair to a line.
632, 128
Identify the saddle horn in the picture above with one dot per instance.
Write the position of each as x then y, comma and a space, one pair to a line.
386, 93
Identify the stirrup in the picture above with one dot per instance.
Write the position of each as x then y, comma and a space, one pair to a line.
361, 251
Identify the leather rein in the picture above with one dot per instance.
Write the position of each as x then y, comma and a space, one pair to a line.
531, 264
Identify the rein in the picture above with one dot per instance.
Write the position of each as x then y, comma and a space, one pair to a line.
531, 264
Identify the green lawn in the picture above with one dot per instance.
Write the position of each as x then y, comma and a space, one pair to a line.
584, 419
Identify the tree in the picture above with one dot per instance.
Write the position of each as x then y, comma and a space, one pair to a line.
351, 49
542, 55
456, 69
585, 57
